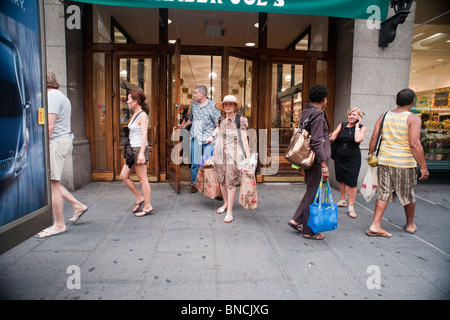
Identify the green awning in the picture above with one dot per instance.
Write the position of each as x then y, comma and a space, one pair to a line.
356, 9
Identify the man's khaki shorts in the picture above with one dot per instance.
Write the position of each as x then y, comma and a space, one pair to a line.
398, 183
60, 150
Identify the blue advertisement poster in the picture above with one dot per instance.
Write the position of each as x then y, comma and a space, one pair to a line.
23, 182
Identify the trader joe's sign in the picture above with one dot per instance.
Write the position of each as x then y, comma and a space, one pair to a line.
361, 9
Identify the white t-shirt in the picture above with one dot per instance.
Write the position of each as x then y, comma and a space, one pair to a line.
59, 104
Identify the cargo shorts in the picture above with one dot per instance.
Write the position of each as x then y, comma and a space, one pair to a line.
394, 182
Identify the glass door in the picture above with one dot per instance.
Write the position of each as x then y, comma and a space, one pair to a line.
288, 85
135, 72
241, 75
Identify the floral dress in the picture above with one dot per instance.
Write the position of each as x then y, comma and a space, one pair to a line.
228, 152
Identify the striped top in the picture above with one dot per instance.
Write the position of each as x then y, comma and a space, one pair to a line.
395, 150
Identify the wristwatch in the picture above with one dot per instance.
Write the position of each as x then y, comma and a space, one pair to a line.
324, 169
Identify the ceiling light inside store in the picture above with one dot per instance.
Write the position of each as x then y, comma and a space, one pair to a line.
250, 44
172, 41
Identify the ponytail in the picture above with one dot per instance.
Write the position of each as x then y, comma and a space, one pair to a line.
140, 97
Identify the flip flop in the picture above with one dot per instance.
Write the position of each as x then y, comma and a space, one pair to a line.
77, 217
382, 233
317, 236
228, 219
138, 205
49, 234
146, 213
297, 227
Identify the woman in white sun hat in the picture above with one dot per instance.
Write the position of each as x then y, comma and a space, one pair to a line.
229, 151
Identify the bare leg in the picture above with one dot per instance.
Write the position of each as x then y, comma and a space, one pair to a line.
351, 201
224, 191
125, 176
78, 207
230, 201
343, 191
409, 212
58, 211
380, 207
141, 171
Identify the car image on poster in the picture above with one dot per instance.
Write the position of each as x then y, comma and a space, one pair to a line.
14, 112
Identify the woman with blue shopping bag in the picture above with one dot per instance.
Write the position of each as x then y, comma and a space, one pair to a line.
320, 143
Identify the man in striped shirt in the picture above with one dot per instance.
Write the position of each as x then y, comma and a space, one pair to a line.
400, 152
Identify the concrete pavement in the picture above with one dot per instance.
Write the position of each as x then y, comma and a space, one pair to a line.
184, 250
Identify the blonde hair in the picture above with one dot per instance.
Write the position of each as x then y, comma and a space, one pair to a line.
355, 109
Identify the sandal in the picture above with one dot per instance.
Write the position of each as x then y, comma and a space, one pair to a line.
48, 233
317, 236
342, 203
76, 217
298, 227
382, 233
220, 210
137, 207
145, 213
351, 212
228, 219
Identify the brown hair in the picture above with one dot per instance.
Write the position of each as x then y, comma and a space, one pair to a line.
52, 82
140, 97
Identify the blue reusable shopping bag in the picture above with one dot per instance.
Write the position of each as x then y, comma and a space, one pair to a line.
323, 214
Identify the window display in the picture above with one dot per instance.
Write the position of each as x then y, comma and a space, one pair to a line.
433, 107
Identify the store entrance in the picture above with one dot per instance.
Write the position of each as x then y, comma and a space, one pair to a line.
134, 72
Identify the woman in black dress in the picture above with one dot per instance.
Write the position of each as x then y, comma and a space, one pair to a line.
347, 159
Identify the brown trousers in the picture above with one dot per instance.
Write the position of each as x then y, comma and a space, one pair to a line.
312, 178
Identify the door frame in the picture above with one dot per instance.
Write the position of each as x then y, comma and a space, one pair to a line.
173, 144
153, 140
238, 53
266, 118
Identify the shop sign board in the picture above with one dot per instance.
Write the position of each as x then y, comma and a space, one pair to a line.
361, 9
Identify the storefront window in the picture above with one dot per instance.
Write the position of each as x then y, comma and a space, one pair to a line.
429, 78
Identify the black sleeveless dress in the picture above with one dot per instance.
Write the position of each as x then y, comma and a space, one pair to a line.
347, 161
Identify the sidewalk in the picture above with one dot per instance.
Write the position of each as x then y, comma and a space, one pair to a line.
184, 250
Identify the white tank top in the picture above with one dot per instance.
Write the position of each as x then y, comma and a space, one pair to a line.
135, 133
